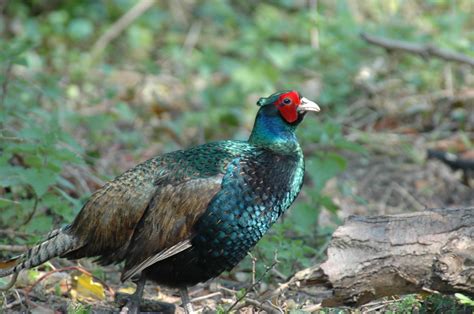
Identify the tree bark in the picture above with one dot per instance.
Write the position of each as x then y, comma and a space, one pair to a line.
372, 257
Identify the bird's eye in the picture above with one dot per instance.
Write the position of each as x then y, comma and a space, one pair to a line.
287, 101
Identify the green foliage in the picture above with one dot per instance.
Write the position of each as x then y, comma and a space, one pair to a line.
408, 304
34, 147
79, 308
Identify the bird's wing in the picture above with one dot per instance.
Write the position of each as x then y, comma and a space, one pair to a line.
167, 225
107, 221
175, 249
156, 202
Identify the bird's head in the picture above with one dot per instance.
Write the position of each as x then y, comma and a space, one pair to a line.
289, 105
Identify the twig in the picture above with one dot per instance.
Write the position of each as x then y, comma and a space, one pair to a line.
314, 32
384, 199
14, 233
252, 286
10, 284
120, 25
373, 306
192, 37
312, 308
263, 306
231, 291
16, 302
279, 274
13, 248
453, 161
254, 267
35, 206
78, 175
411, 199
11, 138
424, 51
207, 296
5, 84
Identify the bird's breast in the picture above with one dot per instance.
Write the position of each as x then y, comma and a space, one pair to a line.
254, 194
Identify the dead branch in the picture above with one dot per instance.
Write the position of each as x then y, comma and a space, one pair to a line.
455, 162
120, 25
372, 257
254, 284
424, 51
13, 248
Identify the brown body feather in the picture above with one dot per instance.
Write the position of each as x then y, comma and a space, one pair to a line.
170, 218
154, 209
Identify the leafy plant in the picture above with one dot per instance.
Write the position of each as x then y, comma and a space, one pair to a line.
34, 149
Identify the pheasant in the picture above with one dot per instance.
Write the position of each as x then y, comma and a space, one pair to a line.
186, 216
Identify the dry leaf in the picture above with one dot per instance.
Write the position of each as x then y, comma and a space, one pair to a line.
85, 288
128, 290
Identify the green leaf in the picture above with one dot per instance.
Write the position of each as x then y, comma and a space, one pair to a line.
10, 175
463, 299
327, 203
240, 293
6, 202
39, 179
80, 29
40, 224
324, 167
305, 216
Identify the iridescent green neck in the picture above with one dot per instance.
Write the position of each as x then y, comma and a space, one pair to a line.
271, 131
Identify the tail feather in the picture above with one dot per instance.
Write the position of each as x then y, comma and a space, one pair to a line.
57, 244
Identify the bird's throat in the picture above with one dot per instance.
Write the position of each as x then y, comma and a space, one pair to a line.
272, 132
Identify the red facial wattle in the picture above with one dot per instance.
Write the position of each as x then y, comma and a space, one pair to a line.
288, 104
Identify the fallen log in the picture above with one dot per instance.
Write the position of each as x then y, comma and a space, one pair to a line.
373, 257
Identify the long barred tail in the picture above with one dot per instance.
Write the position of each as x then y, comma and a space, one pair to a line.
57, 243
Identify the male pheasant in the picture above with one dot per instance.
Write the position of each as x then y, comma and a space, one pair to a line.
186, 216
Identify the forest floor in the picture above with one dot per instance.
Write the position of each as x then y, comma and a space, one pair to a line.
392, 176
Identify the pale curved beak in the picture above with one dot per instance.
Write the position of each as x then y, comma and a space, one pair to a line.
308, 105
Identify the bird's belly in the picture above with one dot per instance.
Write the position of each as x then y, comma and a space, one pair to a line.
184, 269
212, 252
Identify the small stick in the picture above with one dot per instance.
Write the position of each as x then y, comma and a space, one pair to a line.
11, 283
418, 49
120, 25
207, 296
252, 286
267, 308
35, 207
13, 248
16, 302
411, 199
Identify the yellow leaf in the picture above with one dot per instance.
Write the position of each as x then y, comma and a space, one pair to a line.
84, 288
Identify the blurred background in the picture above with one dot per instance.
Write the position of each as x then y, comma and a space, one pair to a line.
89, 89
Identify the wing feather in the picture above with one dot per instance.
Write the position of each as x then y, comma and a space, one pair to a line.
167, 224
175, 249
107, 221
